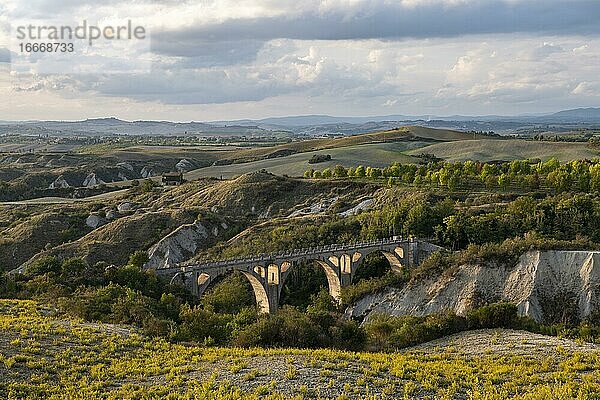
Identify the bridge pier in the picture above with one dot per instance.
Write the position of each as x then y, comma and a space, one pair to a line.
345, 279
273, 293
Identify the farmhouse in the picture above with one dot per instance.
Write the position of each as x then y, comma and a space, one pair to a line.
172, 178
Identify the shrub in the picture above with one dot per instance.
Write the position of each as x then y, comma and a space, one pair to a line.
287, 328
156, 327
43, 266
387, 332
131, 308
133, 277
93, 304
365, 287
495, 315
348, 335
138, 259
73, 272
147, 186
200, 325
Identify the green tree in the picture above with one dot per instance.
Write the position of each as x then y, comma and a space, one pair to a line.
470, 168
340, 172
147, 186
375, 173
503, 181
73, 272
595, 177
230, 295
454, 181
138, 259
360, 172
549, 166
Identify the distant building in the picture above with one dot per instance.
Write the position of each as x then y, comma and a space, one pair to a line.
172, 178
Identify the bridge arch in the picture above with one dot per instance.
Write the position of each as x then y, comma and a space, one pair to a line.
329, 266
256, 276
394, 257
285, 266
262, 299
273, 274
203, 279
261, 271
333, 280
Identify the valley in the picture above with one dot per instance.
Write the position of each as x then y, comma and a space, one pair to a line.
279, 200
512, 223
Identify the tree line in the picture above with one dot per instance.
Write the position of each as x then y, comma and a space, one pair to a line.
578, 175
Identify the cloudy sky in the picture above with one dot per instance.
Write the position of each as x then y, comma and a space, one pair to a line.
229, 59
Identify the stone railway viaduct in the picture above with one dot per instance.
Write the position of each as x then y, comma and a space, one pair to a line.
267, 273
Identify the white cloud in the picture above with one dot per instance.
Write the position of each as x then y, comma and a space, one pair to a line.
587, 89
540, 52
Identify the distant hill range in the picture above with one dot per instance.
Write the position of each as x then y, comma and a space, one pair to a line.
584, 115
114, 126
578, 114
311, 125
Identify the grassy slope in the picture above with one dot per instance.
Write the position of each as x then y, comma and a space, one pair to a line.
116, 241
379, 148
262, 193
50, 227
163, 210
44, 357
490, 149
377, 154
403, 134
203, 154
376, 149
65, 200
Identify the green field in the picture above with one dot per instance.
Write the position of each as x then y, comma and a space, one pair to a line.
494, 149
384, 154
376, 154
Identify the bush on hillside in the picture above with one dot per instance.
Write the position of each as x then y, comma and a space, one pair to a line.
43, 266
289, 327
319, 158
203, 326
495, 315
320, 326
388, 333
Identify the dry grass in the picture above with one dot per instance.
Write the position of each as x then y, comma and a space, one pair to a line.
45, 357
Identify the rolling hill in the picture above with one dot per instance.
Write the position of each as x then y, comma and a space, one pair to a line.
490, 149
375, 154
375, 149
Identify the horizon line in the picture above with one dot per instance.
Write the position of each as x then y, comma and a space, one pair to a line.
259, 119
